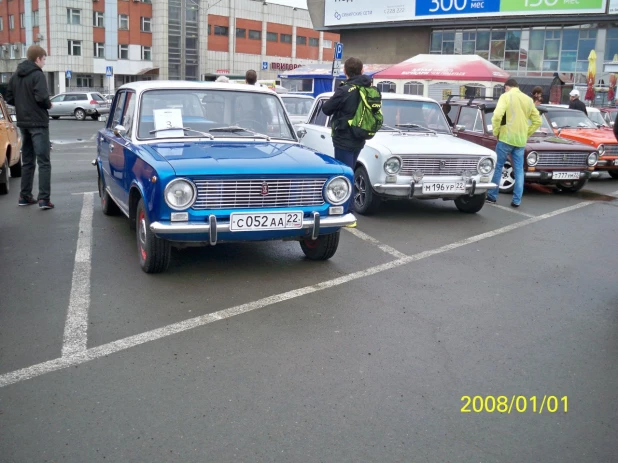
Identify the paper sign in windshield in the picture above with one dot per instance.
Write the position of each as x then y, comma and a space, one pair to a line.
166, 120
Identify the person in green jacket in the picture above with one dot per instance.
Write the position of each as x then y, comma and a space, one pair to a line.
515, 119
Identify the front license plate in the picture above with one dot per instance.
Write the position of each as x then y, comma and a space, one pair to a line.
450, 187
266, 221
566, 176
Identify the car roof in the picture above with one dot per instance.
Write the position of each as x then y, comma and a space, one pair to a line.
392, 96
142, 86
550, 108
295, 95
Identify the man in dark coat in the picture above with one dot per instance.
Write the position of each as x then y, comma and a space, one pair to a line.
576, 103
27, 91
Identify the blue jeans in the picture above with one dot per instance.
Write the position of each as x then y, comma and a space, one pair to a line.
348, 158
517, 160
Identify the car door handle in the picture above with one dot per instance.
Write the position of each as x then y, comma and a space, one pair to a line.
322, 136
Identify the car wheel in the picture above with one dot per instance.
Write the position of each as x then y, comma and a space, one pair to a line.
571, 187
613, 173
365, 200
55, 117
108, 206
4, 178
154, 253
16, 170
323, 248
80, 114
470, 204
507, 180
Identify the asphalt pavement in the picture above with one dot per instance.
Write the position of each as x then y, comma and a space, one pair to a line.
251, 353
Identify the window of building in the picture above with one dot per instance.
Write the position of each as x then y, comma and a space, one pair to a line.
98, 19
11, 22
313, 42
386, 87
147, 53
83, 81
413, 88
22, 21
221, 30
191, 43
11, 52
285, 38
73, 16
241, 33
209, 29
35, 18
75, 47
272, 36
146, 24
123, 21
99, 50
24, 51
255, 35
327, 44
301, 40
1, 23
298, 85
123, 52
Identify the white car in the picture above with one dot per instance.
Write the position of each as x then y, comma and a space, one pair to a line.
297, 106
415, 154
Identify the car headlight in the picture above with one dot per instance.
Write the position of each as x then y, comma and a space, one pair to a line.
601, 149
392, 165
532, 158
486, 165
338, 190
593, 158
180, 194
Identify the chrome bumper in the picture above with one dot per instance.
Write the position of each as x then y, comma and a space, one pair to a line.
212, 227
410, 189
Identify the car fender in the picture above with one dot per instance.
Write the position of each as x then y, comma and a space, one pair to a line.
372, 158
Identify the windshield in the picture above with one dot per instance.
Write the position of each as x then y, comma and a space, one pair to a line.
571, 119
597, 118
544, 128
298, 106
425, 114
202, 110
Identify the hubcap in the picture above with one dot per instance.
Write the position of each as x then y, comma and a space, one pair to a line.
360, 190
507, 179
142, 234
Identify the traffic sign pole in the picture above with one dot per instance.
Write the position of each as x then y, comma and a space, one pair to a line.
337, 62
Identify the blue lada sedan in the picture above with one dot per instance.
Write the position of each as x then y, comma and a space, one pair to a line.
194, 163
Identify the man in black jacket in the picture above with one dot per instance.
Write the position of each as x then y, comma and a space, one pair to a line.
576, 103
27, 91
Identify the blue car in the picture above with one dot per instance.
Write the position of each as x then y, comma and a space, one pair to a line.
194, 163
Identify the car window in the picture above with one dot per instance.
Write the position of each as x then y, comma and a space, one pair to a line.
298, 106
318, 117
58, 98
570, 119
80, 97
118, 109
403, 112
545, 127
470, 119
98, 97
129, 111
597, 118
451, 113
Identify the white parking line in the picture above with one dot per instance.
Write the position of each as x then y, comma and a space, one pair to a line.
510, 209
364, 236
76, 325
85, 193
83, 356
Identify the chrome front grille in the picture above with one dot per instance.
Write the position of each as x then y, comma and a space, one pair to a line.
258, 193
439, 165
562, 159
611, 150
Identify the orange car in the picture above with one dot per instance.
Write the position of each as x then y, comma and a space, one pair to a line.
575, 125
10, 148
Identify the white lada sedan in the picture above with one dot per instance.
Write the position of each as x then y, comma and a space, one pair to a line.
415, 154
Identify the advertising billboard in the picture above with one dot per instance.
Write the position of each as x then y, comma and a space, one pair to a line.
347, 12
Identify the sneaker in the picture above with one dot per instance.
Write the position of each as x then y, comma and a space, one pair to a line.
26, 201
45, 204
514, 205
490, 200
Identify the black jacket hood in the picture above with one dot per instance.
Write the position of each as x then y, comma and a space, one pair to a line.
27, 67
362, 80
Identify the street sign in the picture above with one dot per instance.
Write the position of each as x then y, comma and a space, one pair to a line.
336, 67
109, 71
264, 65
338, 51
68, 74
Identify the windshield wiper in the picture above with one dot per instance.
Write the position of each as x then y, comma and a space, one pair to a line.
183, 128
388, 127
415, 126
236, 129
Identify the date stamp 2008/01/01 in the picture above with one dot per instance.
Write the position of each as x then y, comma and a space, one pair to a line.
514, 404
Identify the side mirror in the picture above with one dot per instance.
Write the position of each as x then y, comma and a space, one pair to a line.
102, 118
300, 133
460, 128
120, 131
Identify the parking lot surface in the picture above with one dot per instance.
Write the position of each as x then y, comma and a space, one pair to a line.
245, 353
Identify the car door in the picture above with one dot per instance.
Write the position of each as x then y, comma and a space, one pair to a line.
57, 105
471, 125
110, 150
9, 130
318, 136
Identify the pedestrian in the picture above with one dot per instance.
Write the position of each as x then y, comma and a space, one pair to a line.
576, 103
251, 78
537, 95
521, 119
27, 91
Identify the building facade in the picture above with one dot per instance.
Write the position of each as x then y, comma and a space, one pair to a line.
102, 44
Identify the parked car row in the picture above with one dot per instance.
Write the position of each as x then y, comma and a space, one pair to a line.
79, 105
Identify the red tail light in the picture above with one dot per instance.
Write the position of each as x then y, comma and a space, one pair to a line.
94, 102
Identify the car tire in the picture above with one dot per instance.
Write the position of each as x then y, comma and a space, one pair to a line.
108, 206
4, 178
16, 170
507, 180
571, 187
322, 248
55, 117
366, 202
470, 204
80, 114
154, 253
613, 173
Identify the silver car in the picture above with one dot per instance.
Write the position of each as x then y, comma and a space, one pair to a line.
297, 106
79, 105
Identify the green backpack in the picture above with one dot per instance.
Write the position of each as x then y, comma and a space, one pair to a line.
368, 118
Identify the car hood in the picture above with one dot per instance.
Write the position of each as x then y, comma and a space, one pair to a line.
253, 158
591, 137
422, 144
552, 143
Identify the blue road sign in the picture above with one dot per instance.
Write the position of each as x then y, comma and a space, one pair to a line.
68, 74
338, 50
264, 65
109, 71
